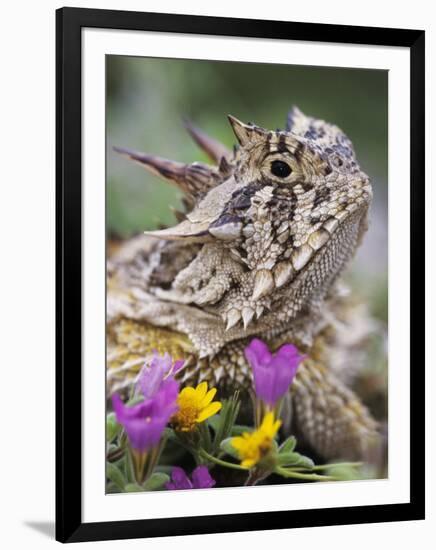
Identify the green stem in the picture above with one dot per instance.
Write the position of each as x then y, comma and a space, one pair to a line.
327, 466
187, 445
224, 463
205, 435
307, 477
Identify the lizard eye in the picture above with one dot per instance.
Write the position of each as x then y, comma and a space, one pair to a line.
280, 169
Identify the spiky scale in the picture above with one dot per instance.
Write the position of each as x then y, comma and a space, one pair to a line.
263, 284
247, 316
233, 318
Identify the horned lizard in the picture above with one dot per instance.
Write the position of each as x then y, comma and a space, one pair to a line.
258, 251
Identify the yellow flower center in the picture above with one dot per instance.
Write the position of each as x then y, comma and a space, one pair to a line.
195, 405
252, 447
186, 418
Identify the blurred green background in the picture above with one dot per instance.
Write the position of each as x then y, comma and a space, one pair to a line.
148, 97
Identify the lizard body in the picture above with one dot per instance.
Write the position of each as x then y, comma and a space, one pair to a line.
258, 252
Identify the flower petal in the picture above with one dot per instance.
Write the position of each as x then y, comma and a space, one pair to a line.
124, 412
209, 411
165, 401
154, 372
118, 407
179, 479
285, 369
144, 434
201, 390
267, 422
202, 479
162, 363
208, 398
288, 350
270, 426
264, 383
272, 374
178, 365
186, 396
257, 353
238, 443
150, 380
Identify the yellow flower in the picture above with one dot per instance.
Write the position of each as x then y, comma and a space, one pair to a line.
252, 447
195, 406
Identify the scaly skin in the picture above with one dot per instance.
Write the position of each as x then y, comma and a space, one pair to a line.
258, 252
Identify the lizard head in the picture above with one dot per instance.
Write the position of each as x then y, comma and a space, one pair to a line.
277, 219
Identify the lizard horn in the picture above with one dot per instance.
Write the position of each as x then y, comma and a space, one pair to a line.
294, 116
293, 113
246, 133
213, 148
196, 232
193, 179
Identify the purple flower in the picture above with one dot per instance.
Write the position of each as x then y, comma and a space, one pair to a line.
160, 368
272, 373
145, 421
201, 479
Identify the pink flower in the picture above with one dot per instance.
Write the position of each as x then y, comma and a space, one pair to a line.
272, 373
159, 369
145, 421
201, 479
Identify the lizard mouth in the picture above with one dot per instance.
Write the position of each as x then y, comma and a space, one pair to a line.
253, 296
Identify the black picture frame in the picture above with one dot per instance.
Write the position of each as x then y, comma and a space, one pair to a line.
69, 23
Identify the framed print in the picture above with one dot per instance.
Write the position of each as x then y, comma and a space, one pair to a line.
240, 248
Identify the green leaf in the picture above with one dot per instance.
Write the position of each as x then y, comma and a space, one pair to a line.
305, 462
227, 447
133, 488
288, 459
214, 421
112, 427
163, 468
128, 467
294, 460
205, 439
115, 475
172, 453
179, 439
239, 429
288, 445
156, 481
226, 419
344, 472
